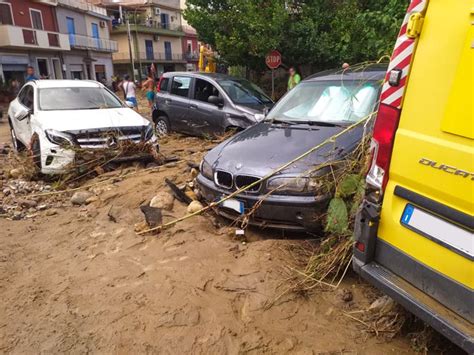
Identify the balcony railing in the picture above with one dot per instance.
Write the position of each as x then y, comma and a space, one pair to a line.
96, 44
83, 6
21, 37
152, 57
150, 26
191, 56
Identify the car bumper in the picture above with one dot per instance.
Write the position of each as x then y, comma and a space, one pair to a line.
453, 327
58, 160
296, 213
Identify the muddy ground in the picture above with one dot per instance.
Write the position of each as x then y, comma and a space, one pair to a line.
79, 279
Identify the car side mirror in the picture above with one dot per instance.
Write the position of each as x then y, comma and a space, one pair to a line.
22, 113
216, 100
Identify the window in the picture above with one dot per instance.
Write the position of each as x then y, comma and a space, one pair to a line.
43, 67
180, 86
328, 101
203, 89
165, 21
36, 19
26, 97
6, 17
77, 98
164, 84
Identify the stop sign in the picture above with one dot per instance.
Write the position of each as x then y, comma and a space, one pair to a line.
273, 59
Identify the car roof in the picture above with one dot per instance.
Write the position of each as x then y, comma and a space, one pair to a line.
214, 76
66, 83
368, 72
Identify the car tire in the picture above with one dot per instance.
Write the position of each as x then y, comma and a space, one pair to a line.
36, 153
162, 126
17, 145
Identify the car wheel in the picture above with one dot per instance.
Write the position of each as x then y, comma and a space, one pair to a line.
162, 126
17, 145
36, 151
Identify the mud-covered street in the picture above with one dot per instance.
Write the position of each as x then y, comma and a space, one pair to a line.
77, 278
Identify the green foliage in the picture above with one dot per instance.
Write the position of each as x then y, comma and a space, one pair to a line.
349, 185
322, 33
337, 221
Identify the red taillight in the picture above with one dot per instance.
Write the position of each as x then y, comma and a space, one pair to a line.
382, 143
360, 246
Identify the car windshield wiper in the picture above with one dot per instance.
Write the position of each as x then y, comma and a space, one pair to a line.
277, 120
322, 123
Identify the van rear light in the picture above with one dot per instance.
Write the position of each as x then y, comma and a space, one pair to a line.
382, 144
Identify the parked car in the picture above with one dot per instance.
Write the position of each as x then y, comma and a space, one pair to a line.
49, 117
207, 103
318, 108
414, 234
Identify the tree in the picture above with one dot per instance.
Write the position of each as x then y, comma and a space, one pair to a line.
321, 33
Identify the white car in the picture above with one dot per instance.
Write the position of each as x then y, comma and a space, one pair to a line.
50, 116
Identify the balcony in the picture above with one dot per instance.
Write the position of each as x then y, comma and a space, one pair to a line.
83, 5
22, 37
153, 27
192, 56
157, 57
95, 44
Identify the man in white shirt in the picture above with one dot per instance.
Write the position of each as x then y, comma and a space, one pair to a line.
129, 89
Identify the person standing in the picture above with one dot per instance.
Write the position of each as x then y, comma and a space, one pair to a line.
294, 78
147, 86
129, 90
30, 74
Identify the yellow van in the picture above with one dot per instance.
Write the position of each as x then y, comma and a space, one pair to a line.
414, 232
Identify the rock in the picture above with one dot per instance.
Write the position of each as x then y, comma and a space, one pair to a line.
80, 197
51, 212
42, 207
27, 203
153, 215
140, 227
16, 173
382, 305
164, 201
194, 173
194, 206
92, 199
345, 295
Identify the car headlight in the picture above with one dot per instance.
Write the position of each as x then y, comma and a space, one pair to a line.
259, 117
148, 132
206, 170
59, 138
301, 185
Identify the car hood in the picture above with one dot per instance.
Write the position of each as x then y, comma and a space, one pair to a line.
254, 108
75, 120
265, 147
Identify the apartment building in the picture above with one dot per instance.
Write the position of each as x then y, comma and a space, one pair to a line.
29, 35
190, 42
88, 28
154, 35
61, 39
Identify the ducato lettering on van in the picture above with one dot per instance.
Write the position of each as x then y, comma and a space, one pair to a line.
446, 168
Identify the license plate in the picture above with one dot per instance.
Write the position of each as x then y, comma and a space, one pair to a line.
233, 204
438, 229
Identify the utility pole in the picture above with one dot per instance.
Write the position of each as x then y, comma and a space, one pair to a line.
130, 49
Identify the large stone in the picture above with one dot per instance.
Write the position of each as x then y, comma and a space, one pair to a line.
194, 207
80, 197
27, 203
163, 200
16, 173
